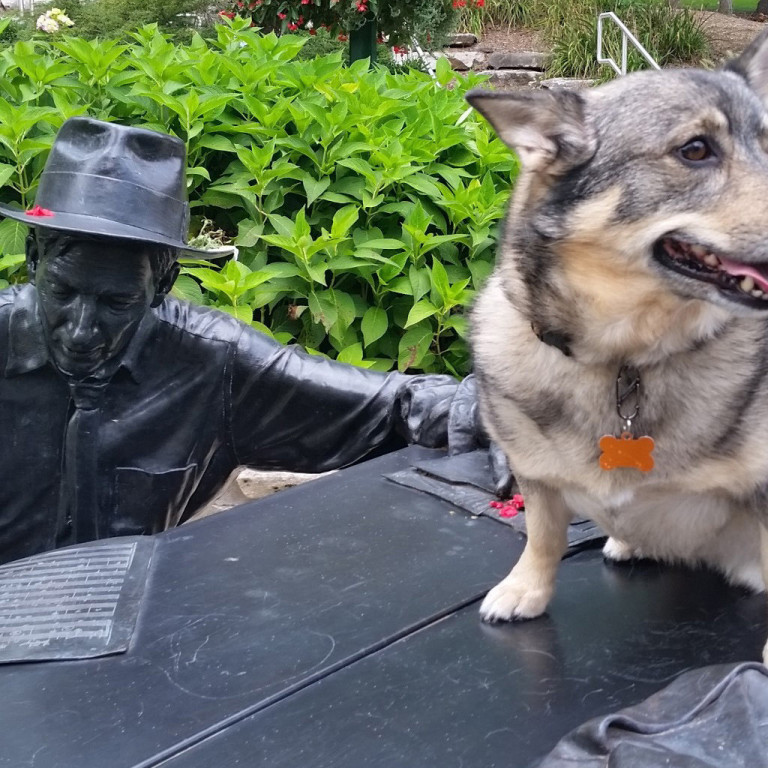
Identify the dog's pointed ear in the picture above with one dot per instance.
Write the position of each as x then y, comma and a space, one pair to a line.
546, 128
752, 65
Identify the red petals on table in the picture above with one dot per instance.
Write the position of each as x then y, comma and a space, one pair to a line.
509, 508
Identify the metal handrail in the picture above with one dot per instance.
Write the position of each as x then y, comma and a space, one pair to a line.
625, 35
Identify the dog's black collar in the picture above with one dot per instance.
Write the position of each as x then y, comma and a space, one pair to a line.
561, 341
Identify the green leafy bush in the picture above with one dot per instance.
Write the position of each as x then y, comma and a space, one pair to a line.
364, 210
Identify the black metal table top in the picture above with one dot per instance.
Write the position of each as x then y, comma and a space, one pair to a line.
336, 624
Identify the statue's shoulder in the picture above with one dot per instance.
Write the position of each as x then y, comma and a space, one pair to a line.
195, 320
9, 298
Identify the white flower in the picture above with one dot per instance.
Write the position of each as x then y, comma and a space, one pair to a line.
47, 24
60, 17
309, 25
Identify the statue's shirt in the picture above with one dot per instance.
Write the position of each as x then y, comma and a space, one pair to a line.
197, 394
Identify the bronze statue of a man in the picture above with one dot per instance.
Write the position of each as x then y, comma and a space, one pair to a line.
124, 410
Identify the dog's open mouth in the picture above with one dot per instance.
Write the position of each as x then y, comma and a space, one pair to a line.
745, 283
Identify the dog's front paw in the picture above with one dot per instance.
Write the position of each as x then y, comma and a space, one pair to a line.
619, 552
515, 598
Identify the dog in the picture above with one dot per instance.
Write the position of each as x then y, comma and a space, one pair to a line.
621, 343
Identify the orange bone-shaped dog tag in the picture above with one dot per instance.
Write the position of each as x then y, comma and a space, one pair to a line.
626, 451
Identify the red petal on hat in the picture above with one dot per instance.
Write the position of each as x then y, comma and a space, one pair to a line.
38, 211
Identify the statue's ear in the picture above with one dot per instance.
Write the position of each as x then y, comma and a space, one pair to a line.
548, 129
752, 65
165, 284
33, 255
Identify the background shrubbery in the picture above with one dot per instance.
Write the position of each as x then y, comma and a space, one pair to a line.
116, 19
364, 210
671, 36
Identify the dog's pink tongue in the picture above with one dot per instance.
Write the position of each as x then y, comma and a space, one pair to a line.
743, 270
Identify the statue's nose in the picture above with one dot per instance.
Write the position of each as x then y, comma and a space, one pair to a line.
82, 322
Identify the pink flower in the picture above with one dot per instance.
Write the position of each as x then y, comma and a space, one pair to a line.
38, 211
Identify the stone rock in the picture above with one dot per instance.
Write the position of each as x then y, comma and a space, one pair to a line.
485, 48
567, 83
248, 484
518, 60
462, 40
514, 78
462, 60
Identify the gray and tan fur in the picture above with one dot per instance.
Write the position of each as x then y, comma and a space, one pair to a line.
603, 182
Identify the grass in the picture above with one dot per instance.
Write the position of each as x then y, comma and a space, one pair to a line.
739, 6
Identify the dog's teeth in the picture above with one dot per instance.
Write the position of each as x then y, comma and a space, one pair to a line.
711, 260
698, 251
757, 293
747, 284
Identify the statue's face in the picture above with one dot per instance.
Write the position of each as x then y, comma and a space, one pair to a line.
92, 302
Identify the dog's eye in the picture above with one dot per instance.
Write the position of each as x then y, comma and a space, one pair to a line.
696, 150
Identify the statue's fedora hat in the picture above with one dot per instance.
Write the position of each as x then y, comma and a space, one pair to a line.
116, 181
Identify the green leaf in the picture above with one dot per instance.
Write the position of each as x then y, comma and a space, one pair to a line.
315, 187
343, 220
187, 288
13, 235
359, 165
439, 278
323, 311
352, 354
217, 142
280, 269
420, 311
443, 71
282, 224
374, 324
261, 328
6, 172
414, 346
420, 282
384, 243
241, 313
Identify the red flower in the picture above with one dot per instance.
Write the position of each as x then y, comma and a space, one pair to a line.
361, 7
509, 508
228, 14
281, 15
480, 3
305, 2
38, 211
300, 20
343, 38
239, 3
312, 31
293, 27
